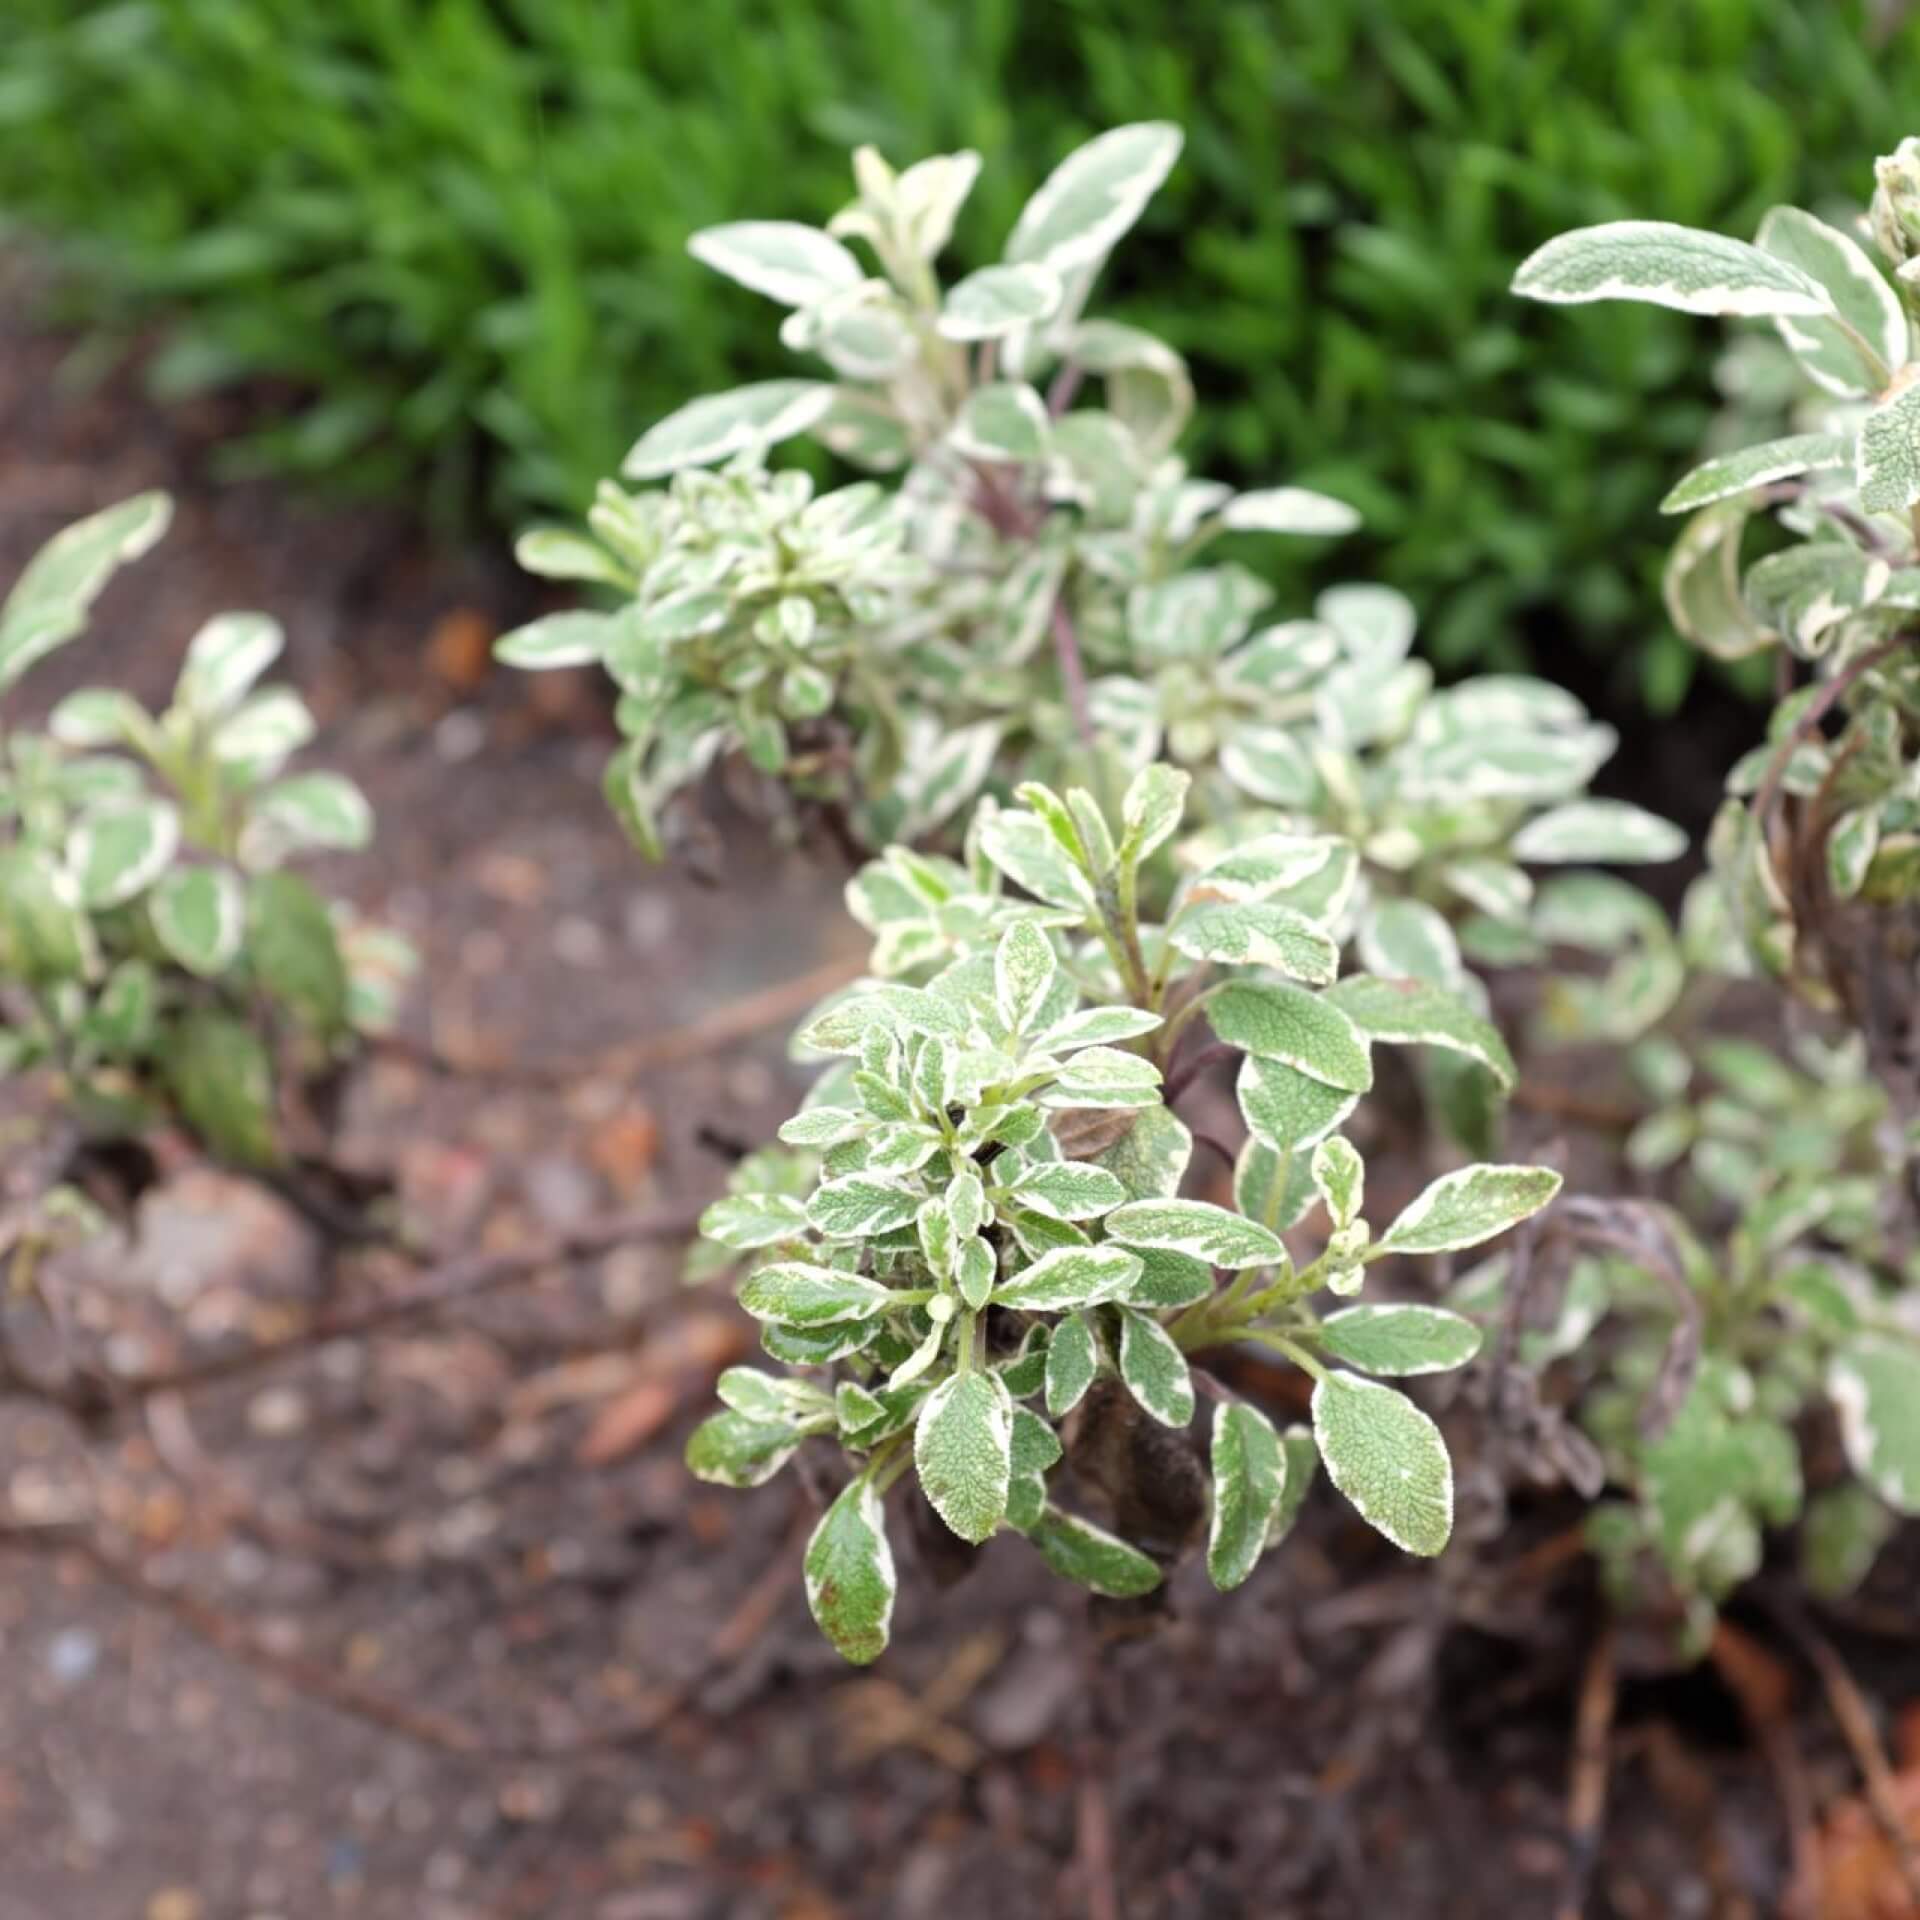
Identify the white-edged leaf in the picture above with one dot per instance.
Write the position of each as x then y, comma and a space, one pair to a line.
1339, 1176
1388, 1458
720, 425
850, 1575
1667, 266
312, 812
1286, 1109
557, 640
1861, 297
1150, 810
1887, 458
1097, 1027
737, 1450
1731, 474
1302, 1030
199, 916
963, 1452
1070, 1189
794, 1293
1094, 195
1070, 1277
1303, 1461
223, 661
1197, 1228
264, 730
998, 301
1614, 831
1154, 1369
1073, 1359
858, 1206
1004, 421
1874, 1382
1078, 1550
1296, 510
1396, 1339
794, 264
1024, 967
1462, 1209
1105, 1077
118, 850
558, 553
746, 1220
1257, 933
1249, 1469
1415, 1013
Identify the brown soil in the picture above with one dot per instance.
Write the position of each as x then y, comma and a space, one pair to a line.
484, 1517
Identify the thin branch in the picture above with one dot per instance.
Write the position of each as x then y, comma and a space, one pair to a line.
1767, 794
1073, 673
1193, 1066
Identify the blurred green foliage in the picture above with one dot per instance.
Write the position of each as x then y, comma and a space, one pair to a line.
458, 226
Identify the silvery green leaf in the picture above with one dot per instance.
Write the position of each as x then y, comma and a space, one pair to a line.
720, 425
1105, 1077
1400, 1339
1302, 1030
823, 1126
916, 1010
864, 430
1094, 195
1288, 510
1375, 624
1257, 933
50, 601
1841, 1538
558, 640
1150, 810
1285, 1109
735, 1450
1020, 845
1249, 1481
818, 1346
758, 1395
1150, 1158
966, 1203
1036, 1447
309, 812
1874, 1383
997, 301
1025, 1370
1070, 1190
1861, 298
1462, 1209
1388, 1458
1339, 1177
937, 783
1887, 456
1168, 1280
558, 553
1731, 474
198, 914
1195, 615
263, 731
963, 1452
849, 1573
1415, 1014
1154, 1369
1499, 890
1271, 764
1023, 971
97, 717
1701, 584
1073, 1359
930, 194
1259, 868
1667, 266
1407, 939
921, 1359
1850, 849
1805, 592
223, 661
1004, 421
1303, 1461
1078, 1550
1070, 1277
975, 1271
1197, 1228
1096, 1027
1275, 1189
45, 934
782, 259
858, 1207
1518, 766
1614, 831
1148, 387
117, 851
863, 332
794, 1293
743, 1220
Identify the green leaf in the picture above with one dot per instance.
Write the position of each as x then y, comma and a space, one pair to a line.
223, 661
217, 1070
1874, 1383
1096, 1026
262, 732
1302, 1030
1339, 1177
119, 849
199, 916
1296, 510
1841, 1538
1036, 1447
1078, 1550
1388, 1458
720, 425
974, 1272
1887, 458
859, 1206
732, 1449
1257, 933
963, 1452
997, 301
1249, 1481
1284, 1109
1413, 1013
849, 1573
1615, 831
1073, 1360
1667, 266
1150, 1159
1094, 195
1732, 474
1273, 1188
1303, 1460
1701, 584
1103, 1077
1020, 845
1069, 1277
1804, 593
50, 601
797, 1294
97, 717
794, 264
558, 640
1003, 421
1400, 1339
1155, 799
558, 553
1197, 1228
1462, 1209
45, 934
1023, 973
294, 951
1069, 1189
1409, 940
309, 812
746, 1220
1154, 1369
1168, 1280
1860, 295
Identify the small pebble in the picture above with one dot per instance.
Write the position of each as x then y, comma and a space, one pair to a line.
73, 1655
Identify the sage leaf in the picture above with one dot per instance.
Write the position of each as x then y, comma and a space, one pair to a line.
1078, 1550
1197, 1228
794, 1293
963, 1452
1387, 1458
1070, 1277
1249, 1479
1394, 1339
1667, 266
1073, 1360
1299, 1029
1154, 1369
1462, 1209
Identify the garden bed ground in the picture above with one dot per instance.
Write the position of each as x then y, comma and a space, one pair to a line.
485, 1517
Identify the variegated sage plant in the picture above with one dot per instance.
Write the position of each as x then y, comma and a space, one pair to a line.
156, 954
989, 1245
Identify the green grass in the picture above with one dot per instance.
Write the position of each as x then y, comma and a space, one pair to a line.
457, 227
